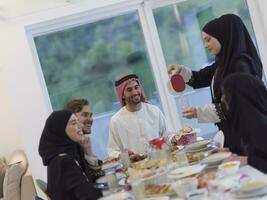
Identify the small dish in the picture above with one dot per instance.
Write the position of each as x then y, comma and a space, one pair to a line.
115, 196
253, 186
198, 145
186, 171
216, 159
229, 168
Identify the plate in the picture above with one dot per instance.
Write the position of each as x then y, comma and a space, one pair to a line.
198, 145
110, 165
253, 186
216, 159
198, 150
116, 196
103, 179
158, 198
165, 194
261, 192
186, 171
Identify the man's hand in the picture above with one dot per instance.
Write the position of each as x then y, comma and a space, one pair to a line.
175, 139
174, 69
190, 113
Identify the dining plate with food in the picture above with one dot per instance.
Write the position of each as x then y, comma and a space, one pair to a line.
251, 189
183, 172
198, 145
158, 190
216, 158
104, 179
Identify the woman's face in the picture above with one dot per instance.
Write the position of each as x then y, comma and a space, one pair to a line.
211, 43
74, 129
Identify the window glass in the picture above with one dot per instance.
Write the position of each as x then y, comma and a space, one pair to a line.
179, 27
84, 61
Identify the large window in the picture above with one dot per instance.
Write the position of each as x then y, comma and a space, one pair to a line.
84, 61
179, 27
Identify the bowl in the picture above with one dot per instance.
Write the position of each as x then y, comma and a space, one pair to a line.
229, 168
183, 186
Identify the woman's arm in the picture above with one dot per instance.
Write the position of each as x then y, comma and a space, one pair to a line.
75, 181
203, 77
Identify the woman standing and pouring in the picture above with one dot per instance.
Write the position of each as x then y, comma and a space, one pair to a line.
228, 40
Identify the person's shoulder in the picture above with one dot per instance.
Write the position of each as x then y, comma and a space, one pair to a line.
118, 114
149, 106
64, 159
243, 59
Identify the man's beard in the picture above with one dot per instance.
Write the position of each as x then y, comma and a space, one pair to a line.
132, 100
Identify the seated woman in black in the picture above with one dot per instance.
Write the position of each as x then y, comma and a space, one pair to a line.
244, 100
68, 176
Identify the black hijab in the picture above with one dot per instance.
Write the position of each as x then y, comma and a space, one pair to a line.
234, 38
54, 139
246, 97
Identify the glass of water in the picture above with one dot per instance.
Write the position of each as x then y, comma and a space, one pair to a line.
138, 189
181, 158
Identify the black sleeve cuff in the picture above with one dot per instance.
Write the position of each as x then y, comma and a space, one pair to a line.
191, 80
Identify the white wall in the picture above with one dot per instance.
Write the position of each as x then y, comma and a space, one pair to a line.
9, 133
23, 98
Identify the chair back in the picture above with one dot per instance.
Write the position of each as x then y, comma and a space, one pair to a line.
43, 186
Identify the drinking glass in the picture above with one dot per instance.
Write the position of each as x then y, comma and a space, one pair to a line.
181, 158
183, 103
125, 159
138, 189
112, 180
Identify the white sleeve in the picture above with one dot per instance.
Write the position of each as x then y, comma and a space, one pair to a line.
186, 73
113, 145
167, 130
207, 113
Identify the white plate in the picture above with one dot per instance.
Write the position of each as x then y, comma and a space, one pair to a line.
197, 150
186, 171
253, 186
216, 159
239, 195
158, 198
198, 145
116, 196
110, 165
103, 179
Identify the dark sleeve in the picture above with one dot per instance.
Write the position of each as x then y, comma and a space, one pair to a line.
203, 77
77, 182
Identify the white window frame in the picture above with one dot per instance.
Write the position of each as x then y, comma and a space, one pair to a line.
153, 45
151, 38
30, 100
